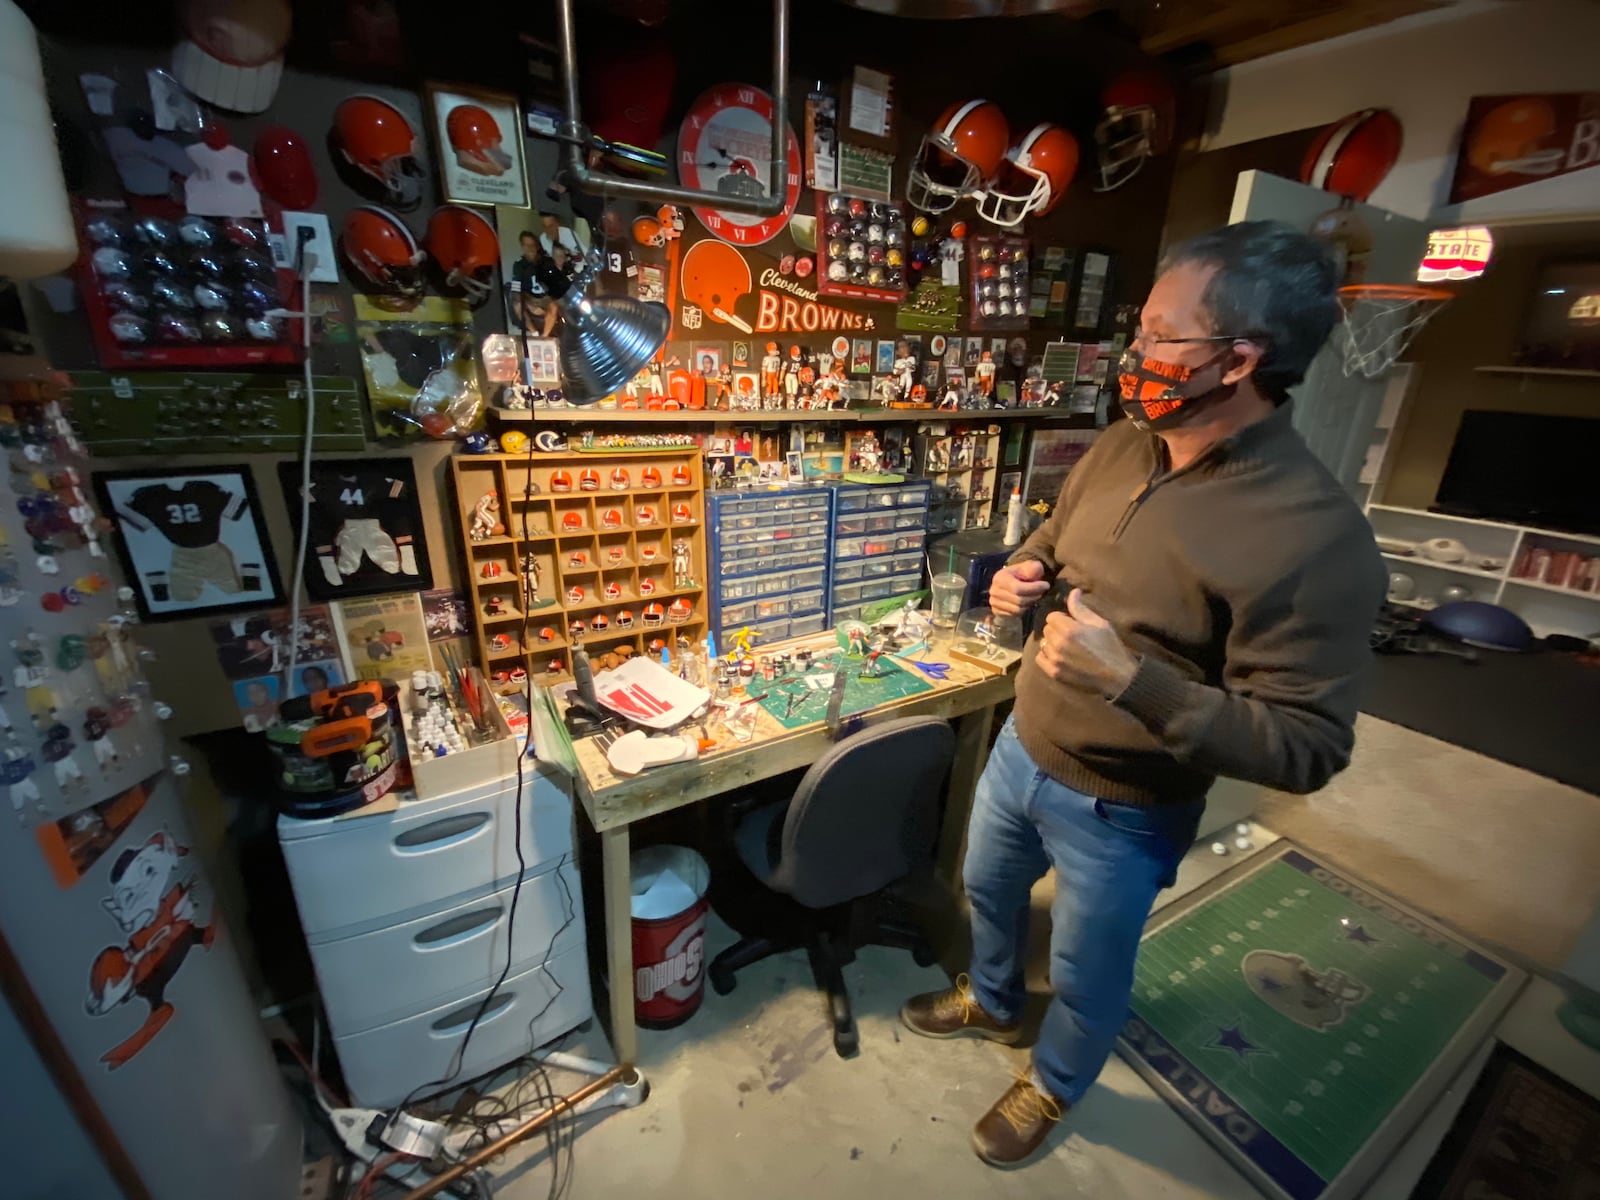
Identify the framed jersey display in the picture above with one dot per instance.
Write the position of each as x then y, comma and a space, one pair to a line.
192, 542
365, 533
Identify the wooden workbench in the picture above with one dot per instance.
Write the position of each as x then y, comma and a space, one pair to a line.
612, 802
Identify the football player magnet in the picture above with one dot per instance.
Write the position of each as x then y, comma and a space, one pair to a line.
725, 146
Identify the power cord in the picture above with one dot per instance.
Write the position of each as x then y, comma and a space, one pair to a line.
305, 263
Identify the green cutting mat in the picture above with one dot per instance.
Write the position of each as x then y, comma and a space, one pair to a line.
895, 683
1293, 1011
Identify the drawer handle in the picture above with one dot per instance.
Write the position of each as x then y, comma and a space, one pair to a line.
456, 1022
446, 829
458, 929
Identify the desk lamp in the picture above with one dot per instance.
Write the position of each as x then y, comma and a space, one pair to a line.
605, 340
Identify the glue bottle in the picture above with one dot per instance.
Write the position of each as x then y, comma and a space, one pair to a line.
1013, 534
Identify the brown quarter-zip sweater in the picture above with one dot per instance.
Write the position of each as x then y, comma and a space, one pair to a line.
1247, 582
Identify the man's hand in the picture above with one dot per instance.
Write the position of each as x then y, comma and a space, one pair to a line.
1016, 588
1080, 648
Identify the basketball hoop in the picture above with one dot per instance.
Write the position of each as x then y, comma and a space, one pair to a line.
1380, 321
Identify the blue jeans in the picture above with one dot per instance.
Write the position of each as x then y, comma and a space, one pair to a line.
1110, 861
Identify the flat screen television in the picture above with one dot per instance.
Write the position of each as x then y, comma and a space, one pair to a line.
1524, 468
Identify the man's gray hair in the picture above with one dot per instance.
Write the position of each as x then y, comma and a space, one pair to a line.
1273, 285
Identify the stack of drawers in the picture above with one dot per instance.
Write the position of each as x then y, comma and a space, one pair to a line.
769, 552
878, 533
406, 914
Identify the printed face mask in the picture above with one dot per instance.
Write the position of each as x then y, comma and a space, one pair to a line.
1159, 395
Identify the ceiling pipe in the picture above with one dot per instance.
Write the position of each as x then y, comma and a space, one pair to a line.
576, 136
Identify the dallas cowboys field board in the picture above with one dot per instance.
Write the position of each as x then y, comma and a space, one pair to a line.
1303, 1021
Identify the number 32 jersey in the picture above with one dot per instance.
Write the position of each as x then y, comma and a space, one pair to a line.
190, 516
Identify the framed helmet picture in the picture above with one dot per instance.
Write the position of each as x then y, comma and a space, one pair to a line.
477, 137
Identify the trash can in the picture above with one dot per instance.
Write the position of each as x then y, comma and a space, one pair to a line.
669, 935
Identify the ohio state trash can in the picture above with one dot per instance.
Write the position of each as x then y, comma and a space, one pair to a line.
669, 935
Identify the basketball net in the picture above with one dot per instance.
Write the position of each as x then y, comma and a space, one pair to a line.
1380, 321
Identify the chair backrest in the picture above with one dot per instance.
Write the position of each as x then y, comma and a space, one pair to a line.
864, 815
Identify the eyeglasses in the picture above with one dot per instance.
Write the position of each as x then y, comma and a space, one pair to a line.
1142, 338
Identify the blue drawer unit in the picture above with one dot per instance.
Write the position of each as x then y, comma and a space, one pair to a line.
878, 533
769, 561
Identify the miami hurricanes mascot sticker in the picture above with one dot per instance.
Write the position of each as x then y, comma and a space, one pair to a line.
155, 915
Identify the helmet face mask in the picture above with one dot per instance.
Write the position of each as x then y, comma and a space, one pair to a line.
1124, 139
957, 157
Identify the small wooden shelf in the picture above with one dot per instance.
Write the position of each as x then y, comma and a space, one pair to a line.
1547, 372
1453, 568
768, 416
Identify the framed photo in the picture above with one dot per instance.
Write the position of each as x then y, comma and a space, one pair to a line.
885, 359
706, 359
528, 237
861, 356
366, 527
741, 354
191, 542
478, 137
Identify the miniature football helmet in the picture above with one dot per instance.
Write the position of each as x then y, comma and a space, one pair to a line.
576, 630
1352, 156
575, 594
644, 515
613, 590
375, 138
588, 480
572, 520
1032, 177
547, 634
681, 476
476, 140
650, 477
577, 560
615, 555
555, 666
647, 587
381, 250
682, 514
647, 231
491, 570
500, 643
1140, 112
1290, 986
560, 481
464, 246
625, 619
654, 615
601, 623
647, 552
958, 156
679, 611
619, 479
612, 519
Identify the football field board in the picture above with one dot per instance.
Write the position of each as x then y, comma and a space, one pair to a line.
1304, 1021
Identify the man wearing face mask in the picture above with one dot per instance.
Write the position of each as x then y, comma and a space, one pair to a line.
1207, 589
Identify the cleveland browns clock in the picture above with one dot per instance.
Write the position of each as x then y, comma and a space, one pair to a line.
725, 146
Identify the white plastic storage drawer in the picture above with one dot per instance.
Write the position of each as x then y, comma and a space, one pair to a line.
383, 1065
348, 873
373, 978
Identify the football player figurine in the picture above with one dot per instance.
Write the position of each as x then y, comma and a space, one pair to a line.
724, 384
985, 373
681, 568
868, 457
952, 397
531, 572
771, 365
486, 518
905, 369
791, 377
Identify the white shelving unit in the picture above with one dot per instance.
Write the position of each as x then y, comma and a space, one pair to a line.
1493, 549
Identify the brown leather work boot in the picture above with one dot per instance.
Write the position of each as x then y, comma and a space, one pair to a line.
955, 1012
1010, 1132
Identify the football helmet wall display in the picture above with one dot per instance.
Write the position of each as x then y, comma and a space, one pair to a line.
376, 138
679, 611
1032, 177
613, 590
681, 476
1352, 156
958, 155
625, 619
588, 480
575, 594
381, 251
476, 141
619, 479
650, 478
463, 244
1139, 114
560, 481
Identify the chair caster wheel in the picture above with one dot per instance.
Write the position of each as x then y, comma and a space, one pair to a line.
923, 955
846, 1042
722, 981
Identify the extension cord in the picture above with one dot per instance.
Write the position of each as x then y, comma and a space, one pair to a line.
351, 1124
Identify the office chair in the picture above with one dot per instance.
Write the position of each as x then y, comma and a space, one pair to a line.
863, 817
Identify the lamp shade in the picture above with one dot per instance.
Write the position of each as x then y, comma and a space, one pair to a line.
605, 340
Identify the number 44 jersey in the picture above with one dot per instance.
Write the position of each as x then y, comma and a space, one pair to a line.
362, 514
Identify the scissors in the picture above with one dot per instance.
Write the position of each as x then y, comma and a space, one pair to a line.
934, 670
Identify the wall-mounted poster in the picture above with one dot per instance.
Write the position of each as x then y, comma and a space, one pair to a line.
365, 528
192, 542
478, 137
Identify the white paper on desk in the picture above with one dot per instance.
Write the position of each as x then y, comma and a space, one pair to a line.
666, 895
647, 693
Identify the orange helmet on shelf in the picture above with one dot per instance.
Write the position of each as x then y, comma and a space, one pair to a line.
625, 619
613, 590
681, 476
560, 481
589, 480
679, 610
491, 570
600, 623
619, 479
464, 246
380, 249
572, 520
376, 138
654, 614
611, 519
1352, 156
1137, 121
547, 634
577, 560
1032, 177
576, 630
958, 155
650, 478
575, 594
476, 140
682, 514
647, 587
644, 515
647, 552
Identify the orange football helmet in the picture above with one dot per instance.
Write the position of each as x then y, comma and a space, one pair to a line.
1032, 177
958, 156
464, 246
1352, 156
476, 139
1140, 113
1510, 139
679, 610
647, 232
654, 614
382, 251
376, 138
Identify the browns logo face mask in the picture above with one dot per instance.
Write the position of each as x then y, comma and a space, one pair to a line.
1159, 395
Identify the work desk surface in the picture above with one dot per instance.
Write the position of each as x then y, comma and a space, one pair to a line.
612, 800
